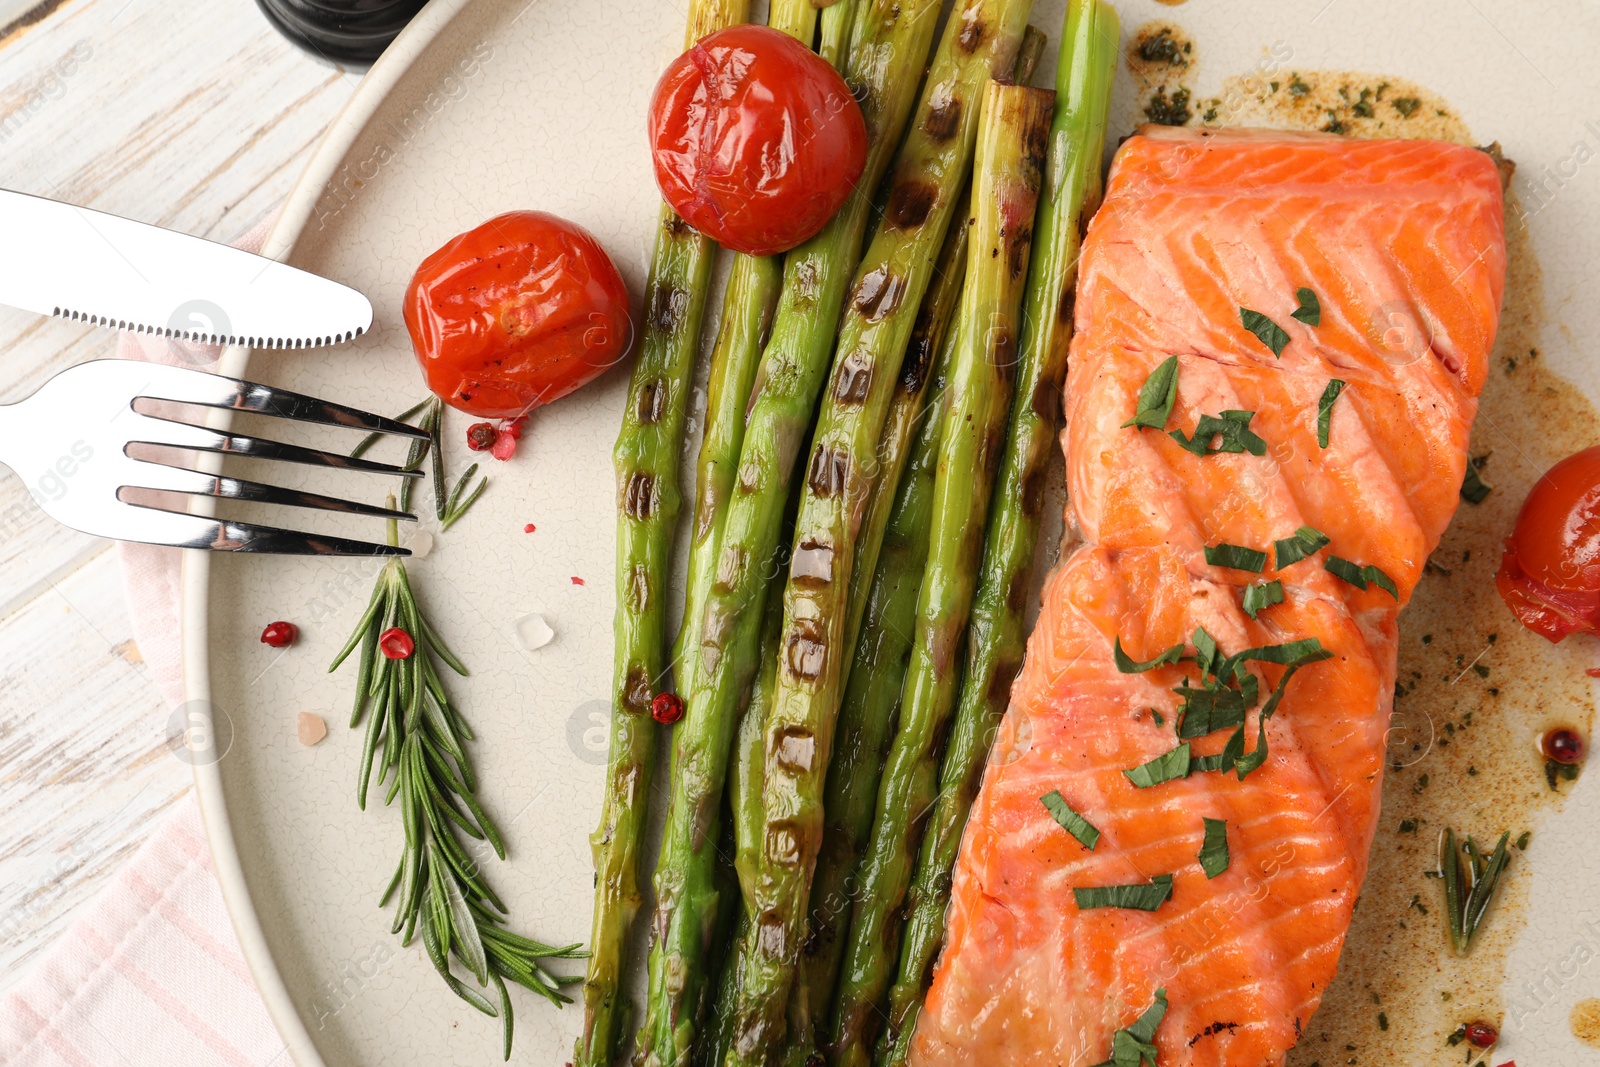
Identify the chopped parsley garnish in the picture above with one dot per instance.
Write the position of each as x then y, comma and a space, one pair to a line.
1226, 692
1306, 541
1225, 760
1164, 110
1162, 47
1128, 665
1292, 655
1214, 852
1167, 767
1253, 760
1206, 653
1310, 309
1406, 105
1359, 576
1156, 396
1070, 821
1259, 597
1145, 897
1134, 1046
1472, 488
1209, 709
1236, 557
1289, 654
1233, 427
1269, 332
1325, 410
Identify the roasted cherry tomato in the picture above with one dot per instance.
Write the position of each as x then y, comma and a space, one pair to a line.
515, 314
757, 140
1550, 573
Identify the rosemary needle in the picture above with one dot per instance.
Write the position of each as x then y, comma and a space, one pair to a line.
1470, 880
373, 438
449, 504
457, 506
416, 737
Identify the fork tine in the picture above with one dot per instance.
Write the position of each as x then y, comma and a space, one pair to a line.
158, 526
217, 391
175, 433
169, 477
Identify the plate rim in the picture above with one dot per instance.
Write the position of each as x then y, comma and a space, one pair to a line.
332, 149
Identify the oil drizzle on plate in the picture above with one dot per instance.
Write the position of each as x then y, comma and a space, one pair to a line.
1585, 1022
1476, 690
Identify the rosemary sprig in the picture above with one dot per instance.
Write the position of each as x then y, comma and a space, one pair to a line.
417, 739
1470, 879
449, 504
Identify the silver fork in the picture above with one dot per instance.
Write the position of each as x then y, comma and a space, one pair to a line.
69, 442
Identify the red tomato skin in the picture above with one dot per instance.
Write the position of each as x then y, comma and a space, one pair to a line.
757, 141
1550, 573
1550, 613
515, 314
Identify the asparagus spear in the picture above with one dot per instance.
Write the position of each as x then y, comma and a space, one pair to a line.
744, 804
995, 638
712, 1045
1013, 141
744, 780
646, 460
747, 307
872, 701
749, 303
907, 406
981, 37
886, 597
899, 527
891, 39
837, 20
676, 978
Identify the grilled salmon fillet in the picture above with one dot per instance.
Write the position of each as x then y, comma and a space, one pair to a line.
1402, 243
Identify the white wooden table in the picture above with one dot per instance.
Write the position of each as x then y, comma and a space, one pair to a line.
191, 114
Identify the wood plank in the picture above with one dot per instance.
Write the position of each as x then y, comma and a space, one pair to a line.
86, 767
195, 116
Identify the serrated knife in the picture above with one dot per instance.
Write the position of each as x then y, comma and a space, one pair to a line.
88, 266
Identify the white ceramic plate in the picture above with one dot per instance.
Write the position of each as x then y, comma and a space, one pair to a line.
486, 107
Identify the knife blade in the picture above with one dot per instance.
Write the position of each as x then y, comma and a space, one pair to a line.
89, 266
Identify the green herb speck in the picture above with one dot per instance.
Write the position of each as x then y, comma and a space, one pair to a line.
1473, 489
1162, 47
1173, 110
1156, 396
1267, 332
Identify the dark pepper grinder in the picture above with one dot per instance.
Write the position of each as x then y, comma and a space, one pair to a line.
342, 32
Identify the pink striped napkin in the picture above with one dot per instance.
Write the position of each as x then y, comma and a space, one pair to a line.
151, 974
